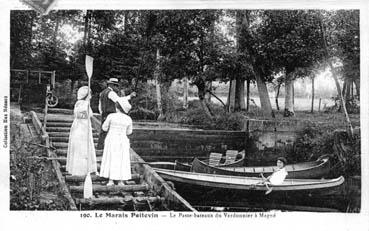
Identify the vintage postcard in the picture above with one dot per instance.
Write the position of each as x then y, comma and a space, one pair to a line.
241, 113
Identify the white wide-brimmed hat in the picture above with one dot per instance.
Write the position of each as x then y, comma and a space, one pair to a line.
82, 92
113, 81
123, 102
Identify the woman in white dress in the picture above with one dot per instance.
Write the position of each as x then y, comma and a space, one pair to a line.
277, 177
116, 164
81, 156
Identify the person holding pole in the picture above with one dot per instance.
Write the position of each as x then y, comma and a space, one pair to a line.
277, 177
81, 157
108, 98
116, 164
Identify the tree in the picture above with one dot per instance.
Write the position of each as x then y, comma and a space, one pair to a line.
288, 39
350, 129
21, 34
249, 42
189, 48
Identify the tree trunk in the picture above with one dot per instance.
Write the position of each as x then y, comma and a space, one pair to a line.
288, 102
206, 109
248, 96
277, 96
312, 94
201, 87
157, 86
185, 92
357, 85
240, 95
239, 84
232, 96
266, 107
209, 85
350, 130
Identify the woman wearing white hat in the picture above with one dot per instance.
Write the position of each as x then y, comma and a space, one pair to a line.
81, 159
116, 164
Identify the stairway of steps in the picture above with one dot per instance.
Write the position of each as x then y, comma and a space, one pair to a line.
135, 195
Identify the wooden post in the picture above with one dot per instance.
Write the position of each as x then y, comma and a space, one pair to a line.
312, 95
46, 107
248, 95
185, 93
52, 81
320, 101
20, 93
39, 77
27, 76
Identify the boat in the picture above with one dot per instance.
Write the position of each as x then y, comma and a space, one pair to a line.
249, 184
305, 170
171, 165
215, 159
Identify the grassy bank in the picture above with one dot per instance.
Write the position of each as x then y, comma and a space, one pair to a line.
33, 183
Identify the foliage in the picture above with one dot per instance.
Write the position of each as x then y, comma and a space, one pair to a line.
311, 143
194, 115
316, 140
343, 32
31, 179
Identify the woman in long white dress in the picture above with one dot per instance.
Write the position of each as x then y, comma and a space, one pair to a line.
81, 156
116, 164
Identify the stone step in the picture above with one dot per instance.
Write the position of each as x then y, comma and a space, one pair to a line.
115, 188
58, 124
58, 119
63, 160
62, 145
59, 111
66, 134
66, 139
61, 129
113, 201
63, 167
76, 179
64, 151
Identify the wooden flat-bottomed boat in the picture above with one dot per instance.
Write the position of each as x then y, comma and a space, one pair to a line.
215, 159
242, 183
305, 170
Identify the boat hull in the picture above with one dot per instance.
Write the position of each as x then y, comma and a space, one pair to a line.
307, 170
247, 184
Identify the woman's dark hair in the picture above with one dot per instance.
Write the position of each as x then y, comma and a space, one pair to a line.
284, 160
117, 105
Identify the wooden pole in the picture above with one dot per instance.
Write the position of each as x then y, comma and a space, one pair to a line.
312, 94
185, 92
320, 102
248, 95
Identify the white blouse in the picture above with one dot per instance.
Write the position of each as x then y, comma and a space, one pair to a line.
278, 176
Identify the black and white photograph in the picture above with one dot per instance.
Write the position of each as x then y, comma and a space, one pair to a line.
189, 112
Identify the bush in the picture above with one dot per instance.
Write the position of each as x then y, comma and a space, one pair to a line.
317, 140
222, 120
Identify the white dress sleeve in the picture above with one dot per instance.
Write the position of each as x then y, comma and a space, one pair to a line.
129, 127
113, 96
106, 124
278, 177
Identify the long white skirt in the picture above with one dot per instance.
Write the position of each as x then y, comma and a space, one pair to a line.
81, 157
116, 164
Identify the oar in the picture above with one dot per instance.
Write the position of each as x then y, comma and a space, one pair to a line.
87, 187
